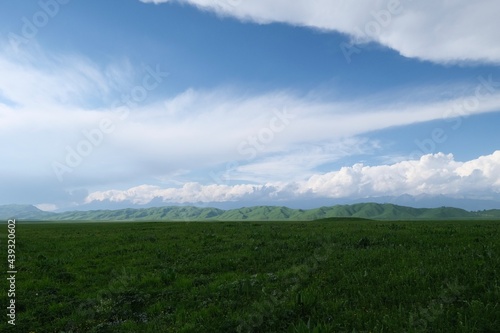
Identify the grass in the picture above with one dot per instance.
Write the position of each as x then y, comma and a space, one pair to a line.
325, 276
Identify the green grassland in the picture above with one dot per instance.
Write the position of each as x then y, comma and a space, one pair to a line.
333, 275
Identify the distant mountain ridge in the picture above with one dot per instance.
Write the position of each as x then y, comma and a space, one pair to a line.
23, 212
374, 211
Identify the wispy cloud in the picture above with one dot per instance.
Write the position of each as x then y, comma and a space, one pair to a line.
184, 132
276, 137
187, 131
439, 31
298, 162
32, 77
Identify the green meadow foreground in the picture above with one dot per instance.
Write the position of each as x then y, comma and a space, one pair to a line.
323, 276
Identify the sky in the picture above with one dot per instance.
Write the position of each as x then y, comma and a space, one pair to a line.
238, 102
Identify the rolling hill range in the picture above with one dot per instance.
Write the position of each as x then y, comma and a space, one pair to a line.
259, 213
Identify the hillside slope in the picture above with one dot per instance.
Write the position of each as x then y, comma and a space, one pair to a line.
258, 213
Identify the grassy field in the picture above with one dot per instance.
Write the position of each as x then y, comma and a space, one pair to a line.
325, 276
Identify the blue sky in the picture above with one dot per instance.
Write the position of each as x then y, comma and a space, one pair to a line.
231, 101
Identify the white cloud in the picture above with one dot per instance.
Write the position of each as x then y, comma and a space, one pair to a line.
299, 161
432, 174
189, 192
185, 132
46, 100
440, 31
34, 78
275, 136
200, 130
437, 174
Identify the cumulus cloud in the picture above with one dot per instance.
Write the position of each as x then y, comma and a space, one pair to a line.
439, 31
188, 193
432, 174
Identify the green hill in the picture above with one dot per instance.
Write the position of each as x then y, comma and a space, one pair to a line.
258, 213
25, 212
151, 214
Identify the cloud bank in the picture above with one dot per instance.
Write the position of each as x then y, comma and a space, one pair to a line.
432, 174
438, 31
